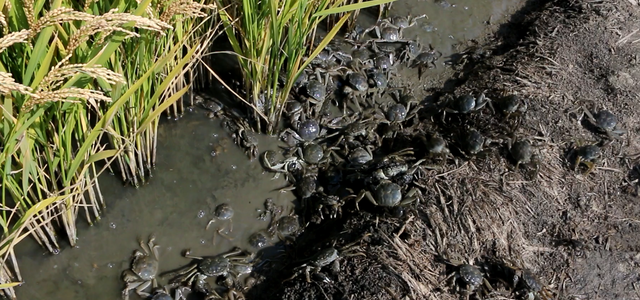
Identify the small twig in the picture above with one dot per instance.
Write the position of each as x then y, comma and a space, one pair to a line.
452, 171
628, 36
404, 226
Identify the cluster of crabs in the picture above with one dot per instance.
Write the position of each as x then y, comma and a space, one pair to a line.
224, 276
354, 132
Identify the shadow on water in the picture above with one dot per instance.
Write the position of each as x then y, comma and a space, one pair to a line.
187, 184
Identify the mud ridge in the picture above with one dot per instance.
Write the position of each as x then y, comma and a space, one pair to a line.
578, 232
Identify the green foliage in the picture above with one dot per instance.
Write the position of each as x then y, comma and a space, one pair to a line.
68, 76
271, 39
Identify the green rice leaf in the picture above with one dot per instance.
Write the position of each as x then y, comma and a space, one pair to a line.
351, 7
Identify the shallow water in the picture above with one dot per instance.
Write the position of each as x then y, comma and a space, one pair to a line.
188, 181
187, 184
448, 26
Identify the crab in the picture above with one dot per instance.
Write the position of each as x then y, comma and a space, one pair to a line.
387, 194
426, 59
405, 97
259, 239
325, 257
395, 165
314, 154
522, 153
288, 226
316, 91
390, 29
249, 141
587, 155
468, 276
305, 187
394, 114
512, 105
180, 293
530, 287
327, 58
465, 104
294, 111
361, 55
385, 61
414, 56
222, 212
471, 142
307, 131
353, 36
196, 273
270, 162
211, 104
357, 86
378, 82
436, 146
523, 282
606, 122
360, 156
143, 271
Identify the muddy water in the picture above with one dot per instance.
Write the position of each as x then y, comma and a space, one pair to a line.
448, 26
189, 183
176, 206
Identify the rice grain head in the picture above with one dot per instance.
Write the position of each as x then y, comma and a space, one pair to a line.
187, 8
8, 85
72, 95
58, 74
13, 38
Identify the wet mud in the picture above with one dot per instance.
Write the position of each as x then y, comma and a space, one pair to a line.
188, 184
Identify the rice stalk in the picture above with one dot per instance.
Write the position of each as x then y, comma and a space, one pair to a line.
59, 94
272, 39
137, 141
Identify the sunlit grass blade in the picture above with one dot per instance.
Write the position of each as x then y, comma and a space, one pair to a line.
351, 7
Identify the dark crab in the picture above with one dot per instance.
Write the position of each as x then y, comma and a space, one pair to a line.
307, 131
211, 104
223, 212
468, 276
316, 91
436, 146
522, 153
180, 293
390, 29
360, 156
356, 88
424, 59
387, 194
405, 97
248, 140
325, 257
606, 122
465, 103
378, 81
530, 287
143, 271
587, 155
511, 105
471, 142
214, 266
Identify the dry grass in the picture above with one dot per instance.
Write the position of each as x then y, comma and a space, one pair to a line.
578, 232
485, 208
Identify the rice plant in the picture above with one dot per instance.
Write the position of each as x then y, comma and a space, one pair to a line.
273, 40
62, 89
137, 57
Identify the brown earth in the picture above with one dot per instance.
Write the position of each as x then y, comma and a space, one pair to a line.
580, 233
